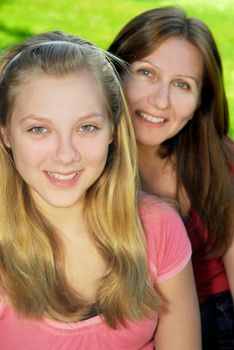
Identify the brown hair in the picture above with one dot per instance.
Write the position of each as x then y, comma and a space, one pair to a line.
201, 147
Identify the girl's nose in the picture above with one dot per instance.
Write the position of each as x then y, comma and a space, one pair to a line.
66, 151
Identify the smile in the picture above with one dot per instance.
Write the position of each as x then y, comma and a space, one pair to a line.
62, 177
150, 118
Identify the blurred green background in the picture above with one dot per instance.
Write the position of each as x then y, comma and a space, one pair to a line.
99, 21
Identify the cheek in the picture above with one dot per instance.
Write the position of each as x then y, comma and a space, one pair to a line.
132, 91
26, 156
96, 151
185, 108
98, 156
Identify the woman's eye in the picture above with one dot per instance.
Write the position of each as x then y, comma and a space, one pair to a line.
38, 130
88, 128
182, 85
144, 72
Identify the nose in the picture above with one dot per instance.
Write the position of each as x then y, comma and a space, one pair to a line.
66, 151
160, 96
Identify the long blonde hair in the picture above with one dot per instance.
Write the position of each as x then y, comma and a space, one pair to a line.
32, 272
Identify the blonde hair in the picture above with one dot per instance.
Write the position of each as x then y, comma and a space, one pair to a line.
31, 255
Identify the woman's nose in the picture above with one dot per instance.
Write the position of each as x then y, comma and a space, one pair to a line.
160, 96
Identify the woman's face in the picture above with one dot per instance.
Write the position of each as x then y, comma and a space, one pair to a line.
164, 90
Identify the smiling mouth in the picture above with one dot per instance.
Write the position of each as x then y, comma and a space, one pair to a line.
62, 177
150, 118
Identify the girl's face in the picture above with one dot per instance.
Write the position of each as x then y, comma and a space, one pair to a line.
59, 135
163, 91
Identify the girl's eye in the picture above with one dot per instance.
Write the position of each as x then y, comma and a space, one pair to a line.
182, 85
38, 130
88, 128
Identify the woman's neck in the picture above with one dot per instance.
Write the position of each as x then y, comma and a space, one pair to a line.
152, 168
159, 176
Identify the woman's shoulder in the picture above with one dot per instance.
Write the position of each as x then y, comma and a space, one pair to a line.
229, 143
229, 146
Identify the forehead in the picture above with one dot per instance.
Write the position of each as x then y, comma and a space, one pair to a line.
177, 55
50, 95
37, 82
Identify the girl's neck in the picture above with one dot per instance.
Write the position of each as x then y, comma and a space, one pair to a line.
66, 217
69, 221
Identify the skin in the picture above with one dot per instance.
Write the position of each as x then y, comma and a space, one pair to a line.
59, 134
50, 131
228, 263
179, 324
163, 94
164, 91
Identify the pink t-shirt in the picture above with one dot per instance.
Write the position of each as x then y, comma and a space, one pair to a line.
169, 251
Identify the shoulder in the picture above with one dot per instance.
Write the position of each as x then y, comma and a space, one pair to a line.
229, 146
168, 245
154, 210
2, 303
229, 143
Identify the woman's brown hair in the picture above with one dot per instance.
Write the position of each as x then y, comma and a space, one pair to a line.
202, 149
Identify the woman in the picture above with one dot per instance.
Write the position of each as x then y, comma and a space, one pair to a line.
76, 269
179, 112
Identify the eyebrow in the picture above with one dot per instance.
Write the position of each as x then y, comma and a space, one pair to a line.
178, 75
43, 119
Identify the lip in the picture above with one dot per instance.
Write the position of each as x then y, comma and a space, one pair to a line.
68, 179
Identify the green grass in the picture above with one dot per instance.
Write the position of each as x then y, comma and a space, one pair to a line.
99, 21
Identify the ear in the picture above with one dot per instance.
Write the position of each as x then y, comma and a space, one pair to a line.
5, 138
110, 139
111, 134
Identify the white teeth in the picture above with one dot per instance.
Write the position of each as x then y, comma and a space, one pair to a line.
62, 177
151, 119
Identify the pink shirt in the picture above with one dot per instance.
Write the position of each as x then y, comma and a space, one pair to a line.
168, 252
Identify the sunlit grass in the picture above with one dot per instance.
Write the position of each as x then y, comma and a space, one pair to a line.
99, 21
